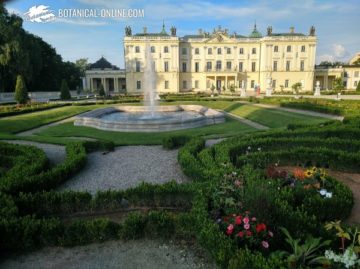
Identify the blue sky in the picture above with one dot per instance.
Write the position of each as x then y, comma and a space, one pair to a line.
337, 23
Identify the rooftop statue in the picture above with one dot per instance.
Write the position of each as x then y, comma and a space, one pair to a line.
128, 31
312, 30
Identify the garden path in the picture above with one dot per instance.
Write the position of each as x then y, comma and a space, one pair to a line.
152, 254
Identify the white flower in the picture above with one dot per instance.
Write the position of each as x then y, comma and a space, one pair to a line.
323, 192
328, 195
259, 149
249, 147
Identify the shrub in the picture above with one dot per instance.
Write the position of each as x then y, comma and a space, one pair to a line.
160, 224
64, 91
21, 95
133, 227
175, 141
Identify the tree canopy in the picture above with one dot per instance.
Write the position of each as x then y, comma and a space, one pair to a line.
35, 60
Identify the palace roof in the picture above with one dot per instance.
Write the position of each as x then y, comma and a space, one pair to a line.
102, 63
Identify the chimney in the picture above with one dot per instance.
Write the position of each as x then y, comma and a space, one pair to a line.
292, 30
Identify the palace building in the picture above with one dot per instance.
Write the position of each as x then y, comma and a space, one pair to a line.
220, 60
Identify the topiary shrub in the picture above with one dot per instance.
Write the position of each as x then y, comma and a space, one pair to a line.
64, 91
133, 227
21, 95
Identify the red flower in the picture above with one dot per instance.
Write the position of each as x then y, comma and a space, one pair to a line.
238, 220
248, 233
240, 234
260, 227
230, 229
226, 219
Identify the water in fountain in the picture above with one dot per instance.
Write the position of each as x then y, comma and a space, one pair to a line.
149, 86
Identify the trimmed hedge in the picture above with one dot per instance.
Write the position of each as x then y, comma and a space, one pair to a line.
175, 141
12, 110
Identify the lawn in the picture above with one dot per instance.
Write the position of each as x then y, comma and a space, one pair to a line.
230, 128
272, 118
28, 121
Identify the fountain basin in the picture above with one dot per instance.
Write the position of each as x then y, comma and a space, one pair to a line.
139, 119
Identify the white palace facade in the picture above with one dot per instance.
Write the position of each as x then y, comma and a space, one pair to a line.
221, 61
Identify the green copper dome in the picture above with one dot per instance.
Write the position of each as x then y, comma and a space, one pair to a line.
255, 33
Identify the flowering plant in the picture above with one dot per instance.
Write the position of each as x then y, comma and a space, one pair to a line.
247, 230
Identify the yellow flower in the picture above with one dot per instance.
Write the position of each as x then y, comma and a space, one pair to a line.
314, 169
308, 173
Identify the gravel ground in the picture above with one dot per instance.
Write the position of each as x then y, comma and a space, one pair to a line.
147, 254
126, 167
55, 153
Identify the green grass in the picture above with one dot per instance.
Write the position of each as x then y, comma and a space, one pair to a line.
230, 128
272, 118
28, 121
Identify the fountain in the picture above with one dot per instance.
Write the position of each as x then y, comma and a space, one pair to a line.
150, 117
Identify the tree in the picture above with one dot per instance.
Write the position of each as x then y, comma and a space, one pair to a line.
64, 92
296, 87
338, 84
21, 95
82, 64
358, 86
102, 91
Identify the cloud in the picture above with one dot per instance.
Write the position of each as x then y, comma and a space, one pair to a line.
339, 50
83, 22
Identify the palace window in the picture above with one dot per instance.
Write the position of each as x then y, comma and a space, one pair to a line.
166, 49
228, 50
253, 66
138, 85
138, 66
253, 51
197, 67
356, 74
219, 51
286, 83
153, 65
208, 66
228, 65
303, 48
252, 84
302, 65
184, 67
288, 48
184, 84
137, 49
152, 49
276, 48
197, 51
218, 65
241, 51
196, 84
355, 83
274, 83
275, 66
209, 51
183, 51
287, 65
166, 66
241, 66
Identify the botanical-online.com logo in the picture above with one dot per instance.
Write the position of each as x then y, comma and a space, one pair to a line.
39, 13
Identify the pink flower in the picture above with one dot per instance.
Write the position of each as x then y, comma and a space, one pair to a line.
246, 226
248, 233
246, 220
237, 183
271, 234
230, 229
265, 244
253, 219
238, 220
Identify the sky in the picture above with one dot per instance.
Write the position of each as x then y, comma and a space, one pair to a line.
336, 22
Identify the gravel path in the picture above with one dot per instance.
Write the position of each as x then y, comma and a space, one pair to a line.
126, 167
55, 153
147, 254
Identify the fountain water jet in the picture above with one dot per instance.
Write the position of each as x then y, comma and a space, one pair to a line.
150, 94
